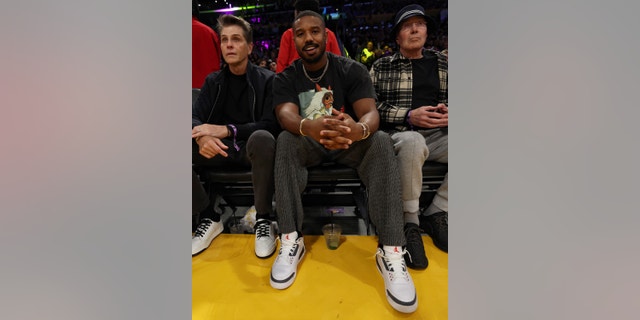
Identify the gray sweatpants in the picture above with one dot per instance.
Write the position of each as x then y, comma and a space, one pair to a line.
375, 163
413, 149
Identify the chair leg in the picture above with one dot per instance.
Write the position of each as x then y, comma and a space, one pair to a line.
360, 197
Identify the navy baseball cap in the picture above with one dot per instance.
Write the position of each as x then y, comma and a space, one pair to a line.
407, 12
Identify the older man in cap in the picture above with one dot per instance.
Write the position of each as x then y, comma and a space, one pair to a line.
411, 89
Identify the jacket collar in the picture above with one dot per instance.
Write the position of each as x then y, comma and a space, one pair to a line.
399, 56
226, 71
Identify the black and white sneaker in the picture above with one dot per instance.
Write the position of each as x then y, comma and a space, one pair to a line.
285, 267
400, 291
205, 233
265, 244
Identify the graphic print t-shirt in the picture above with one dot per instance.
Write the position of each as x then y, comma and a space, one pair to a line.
345, 82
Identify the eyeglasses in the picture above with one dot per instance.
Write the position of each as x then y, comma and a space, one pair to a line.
418, 24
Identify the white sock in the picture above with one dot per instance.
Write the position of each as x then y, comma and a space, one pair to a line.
411, 217
392, 249
290, 236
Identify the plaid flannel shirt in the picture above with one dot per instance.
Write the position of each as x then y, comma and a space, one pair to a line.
392, 79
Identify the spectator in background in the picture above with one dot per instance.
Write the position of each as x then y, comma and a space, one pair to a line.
205, 49
387, 51
288, 51
378, 53
233, 124
368, 55
412, 98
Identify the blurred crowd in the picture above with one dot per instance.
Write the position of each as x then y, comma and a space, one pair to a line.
359, 26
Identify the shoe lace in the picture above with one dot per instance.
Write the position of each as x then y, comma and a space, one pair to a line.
262, 229
396, 264
203, 227
288, 246
409, 254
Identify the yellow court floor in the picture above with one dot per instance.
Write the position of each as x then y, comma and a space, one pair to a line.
230, 282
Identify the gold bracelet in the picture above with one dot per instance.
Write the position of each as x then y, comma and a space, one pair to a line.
365, 130
300, 128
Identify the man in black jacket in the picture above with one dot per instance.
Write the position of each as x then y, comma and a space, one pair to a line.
233, 123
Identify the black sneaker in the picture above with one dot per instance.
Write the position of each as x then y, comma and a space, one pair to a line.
416, 259
437, 226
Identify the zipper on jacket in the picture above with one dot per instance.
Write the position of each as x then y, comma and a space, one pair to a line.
215, 102
253, 103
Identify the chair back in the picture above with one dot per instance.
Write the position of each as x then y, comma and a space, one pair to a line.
195, 92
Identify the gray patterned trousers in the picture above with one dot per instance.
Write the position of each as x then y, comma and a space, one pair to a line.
375, 163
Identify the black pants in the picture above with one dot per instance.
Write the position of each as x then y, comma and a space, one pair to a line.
258, 154
199, 197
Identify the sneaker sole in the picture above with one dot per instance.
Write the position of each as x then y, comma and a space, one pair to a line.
286, 284
400, 306
215, 234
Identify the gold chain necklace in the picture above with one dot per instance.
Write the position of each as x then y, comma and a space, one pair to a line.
317, 79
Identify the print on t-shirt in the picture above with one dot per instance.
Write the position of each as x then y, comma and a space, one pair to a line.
315, 104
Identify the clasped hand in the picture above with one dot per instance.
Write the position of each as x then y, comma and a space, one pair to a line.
430, 117
337, 132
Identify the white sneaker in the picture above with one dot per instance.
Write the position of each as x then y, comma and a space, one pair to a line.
401, 293
205, 233
285, 267
265, 238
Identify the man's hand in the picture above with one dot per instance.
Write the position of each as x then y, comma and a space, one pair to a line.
340, 131
430, 116
213, 130
442, 108
211, 146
